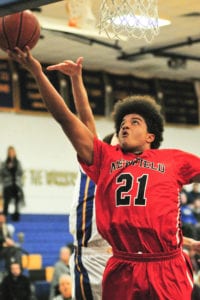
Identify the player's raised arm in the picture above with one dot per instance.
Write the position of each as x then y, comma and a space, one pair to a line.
83, 108
80, 136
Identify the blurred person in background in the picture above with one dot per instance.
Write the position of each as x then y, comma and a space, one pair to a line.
61, 267
9, 250
196, 209
188, 218
196, 212
196, 288
65, 288
11, 177
194, 193
192, 248
15, 285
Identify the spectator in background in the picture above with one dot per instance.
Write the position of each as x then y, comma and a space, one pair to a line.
65, 288
61, 267
16, 286
194, 193
71, 247
187, 217
9, 251
196, 292
11, 176
8, 229
191, 246
193, 251
196, 209
196, 212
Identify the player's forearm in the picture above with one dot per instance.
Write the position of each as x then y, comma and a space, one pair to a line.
82, 104
191, 244
187, 242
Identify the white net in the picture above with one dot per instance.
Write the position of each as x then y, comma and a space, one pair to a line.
131, 18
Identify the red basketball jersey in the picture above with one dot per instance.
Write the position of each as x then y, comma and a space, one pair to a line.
137, 198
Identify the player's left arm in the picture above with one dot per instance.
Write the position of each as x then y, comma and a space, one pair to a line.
79, 135
191, 244
81, 101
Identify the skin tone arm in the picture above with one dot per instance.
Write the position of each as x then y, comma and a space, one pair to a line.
83, 108
191, 244
79, 135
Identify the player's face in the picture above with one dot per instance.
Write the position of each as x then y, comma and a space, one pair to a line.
133, 134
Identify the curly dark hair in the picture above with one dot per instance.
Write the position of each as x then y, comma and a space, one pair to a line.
145, 106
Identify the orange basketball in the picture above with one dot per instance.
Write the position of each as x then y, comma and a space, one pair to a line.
18, 30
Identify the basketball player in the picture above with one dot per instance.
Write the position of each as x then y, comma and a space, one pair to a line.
91, 250
74, 70
137, 197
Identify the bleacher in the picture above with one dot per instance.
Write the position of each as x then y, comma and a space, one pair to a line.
45, 235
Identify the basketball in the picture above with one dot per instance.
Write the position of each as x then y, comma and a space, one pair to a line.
19, 30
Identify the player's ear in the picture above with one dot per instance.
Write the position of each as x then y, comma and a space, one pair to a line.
150, 137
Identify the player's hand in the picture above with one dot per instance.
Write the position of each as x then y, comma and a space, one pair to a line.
68, 67
195, 246
26, 59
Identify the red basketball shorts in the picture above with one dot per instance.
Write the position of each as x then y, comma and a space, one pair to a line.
148, 277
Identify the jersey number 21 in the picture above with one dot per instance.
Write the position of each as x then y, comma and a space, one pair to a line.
125, 183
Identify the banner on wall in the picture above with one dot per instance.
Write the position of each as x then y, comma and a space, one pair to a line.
30, 98
48, 191
6, 93
41, 177
95, 87
179, 99
126, 85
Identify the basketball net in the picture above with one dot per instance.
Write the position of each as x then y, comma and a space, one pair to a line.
130, 18
80, 14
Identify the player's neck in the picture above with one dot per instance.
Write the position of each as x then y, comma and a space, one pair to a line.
140, 150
